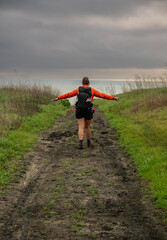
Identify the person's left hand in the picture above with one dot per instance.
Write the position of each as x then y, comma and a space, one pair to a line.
56, 99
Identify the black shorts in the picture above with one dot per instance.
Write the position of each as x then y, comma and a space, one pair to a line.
86, 113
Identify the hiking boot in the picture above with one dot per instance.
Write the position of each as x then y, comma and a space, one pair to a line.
90, 145
80, 147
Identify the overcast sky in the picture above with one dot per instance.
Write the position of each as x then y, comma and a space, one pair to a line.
70, 38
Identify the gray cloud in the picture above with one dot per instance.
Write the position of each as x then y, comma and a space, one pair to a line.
97, 7
46, 35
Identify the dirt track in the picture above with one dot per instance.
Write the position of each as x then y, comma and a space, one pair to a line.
67, 193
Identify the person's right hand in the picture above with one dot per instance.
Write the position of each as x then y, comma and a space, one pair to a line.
56, 99
116, 98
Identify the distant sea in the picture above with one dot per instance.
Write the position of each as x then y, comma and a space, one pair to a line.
111, 86
108, 86
69, 85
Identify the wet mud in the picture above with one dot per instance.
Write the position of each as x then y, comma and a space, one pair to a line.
66, 193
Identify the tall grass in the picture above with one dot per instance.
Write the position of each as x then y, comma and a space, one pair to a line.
109, 89
20, 100
146, 81
151, 99
24, 111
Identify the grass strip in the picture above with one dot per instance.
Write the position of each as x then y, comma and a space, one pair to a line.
17, 142
141, 125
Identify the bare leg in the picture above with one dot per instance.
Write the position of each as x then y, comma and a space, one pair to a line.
81, 127
87, 129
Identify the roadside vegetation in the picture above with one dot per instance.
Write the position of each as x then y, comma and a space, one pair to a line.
24, 112
140, 118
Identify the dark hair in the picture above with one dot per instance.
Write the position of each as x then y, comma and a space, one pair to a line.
85, 80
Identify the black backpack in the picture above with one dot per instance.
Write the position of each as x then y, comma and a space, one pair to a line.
83, 94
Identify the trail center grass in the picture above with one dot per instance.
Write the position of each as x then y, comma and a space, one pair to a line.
141, 124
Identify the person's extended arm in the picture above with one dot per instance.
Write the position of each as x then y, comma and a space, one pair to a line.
103, 95
67, 95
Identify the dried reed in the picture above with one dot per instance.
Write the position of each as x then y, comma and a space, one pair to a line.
20, 100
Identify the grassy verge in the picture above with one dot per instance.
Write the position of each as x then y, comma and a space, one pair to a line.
26, 112
140, 118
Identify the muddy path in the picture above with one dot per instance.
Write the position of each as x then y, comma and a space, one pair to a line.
66, 193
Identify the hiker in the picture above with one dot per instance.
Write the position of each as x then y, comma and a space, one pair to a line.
84, 108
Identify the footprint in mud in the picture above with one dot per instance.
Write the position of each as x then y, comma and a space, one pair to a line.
58, 135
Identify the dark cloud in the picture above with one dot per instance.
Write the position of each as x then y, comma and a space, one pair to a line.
64, 8
47, 35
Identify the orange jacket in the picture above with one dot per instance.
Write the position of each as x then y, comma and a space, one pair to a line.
94, 93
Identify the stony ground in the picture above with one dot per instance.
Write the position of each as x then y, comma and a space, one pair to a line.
66, 193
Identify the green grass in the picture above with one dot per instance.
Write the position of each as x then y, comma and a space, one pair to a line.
79, 215
141, 125
76, 225
17, 142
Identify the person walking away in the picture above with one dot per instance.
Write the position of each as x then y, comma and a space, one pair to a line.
84, 108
